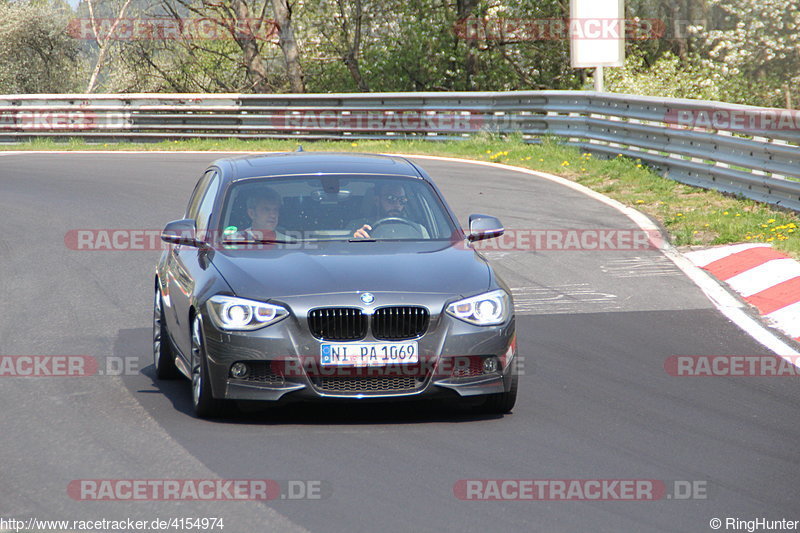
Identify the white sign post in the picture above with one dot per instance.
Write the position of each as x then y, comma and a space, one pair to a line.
597, 35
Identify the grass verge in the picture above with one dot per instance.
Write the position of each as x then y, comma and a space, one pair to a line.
691, 215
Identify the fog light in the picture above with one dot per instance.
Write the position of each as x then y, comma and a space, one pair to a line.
239, 370
490, 365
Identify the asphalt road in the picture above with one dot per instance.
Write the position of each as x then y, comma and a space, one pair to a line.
595, 401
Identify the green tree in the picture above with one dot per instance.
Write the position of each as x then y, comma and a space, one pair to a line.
36, 53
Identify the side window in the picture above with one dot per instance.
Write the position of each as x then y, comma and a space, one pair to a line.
197, 195
206, 205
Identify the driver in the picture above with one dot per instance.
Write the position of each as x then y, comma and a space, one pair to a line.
391, 202
263, 208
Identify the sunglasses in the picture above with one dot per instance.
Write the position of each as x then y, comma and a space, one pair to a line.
391, 198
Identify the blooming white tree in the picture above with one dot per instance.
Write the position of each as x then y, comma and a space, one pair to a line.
758, 39
36, 54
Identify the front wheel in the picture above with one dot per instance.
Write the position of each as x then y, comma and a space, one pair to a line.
163, 356
503, 402
204, 404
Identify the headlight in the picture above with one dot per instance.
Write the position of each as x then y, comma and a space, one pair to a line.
228, 312
488, 309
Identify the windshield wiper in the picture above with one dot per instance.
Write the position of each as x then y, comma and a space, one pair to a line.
360, 240
257, 241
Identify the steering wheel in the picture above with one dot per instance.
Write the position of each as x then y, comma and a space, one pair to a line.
395, 220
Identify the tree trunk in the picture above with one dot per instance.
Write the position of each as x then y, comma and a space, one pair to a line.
678, 31
352, 65
283, 16
463, 10
253, 62
102, 44
352, 48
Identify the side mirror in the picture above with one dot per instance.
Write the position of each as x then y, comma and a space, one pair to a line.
484, 227
181, 232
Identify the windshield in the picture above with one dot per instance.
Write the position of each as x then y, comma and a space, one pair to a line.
334, 207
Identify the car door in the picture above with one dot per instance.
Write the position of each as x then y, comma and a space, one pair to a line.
185, 263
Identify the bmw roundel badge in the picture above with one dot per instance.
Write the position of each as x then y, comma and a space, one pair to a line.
367, 298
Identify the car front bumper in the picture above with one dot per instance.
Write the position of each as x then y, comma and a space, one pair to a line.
284, 359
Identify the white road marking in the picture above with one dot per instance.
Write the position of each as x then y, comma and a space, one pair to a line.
567, 298
764, 276
495, 256
641, 267
787, 319
702, 258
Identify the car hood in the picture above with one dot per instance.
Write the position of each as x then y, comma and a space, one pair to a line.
337, 267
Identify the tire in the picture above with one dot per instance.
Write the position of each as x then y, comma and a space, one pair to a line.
203, 402
163, 356
503, 402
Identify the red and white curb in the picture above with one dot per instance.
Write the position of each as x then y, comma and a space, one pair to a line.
765, 278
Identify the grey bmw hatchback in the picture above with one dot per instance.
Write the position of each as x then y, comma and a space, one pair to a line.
324, 276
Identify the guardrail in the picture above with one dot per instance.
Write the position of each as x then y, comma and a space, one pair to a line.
754, 152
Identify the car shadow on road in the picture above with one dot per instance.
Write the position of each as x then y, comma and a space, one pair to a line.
143, 385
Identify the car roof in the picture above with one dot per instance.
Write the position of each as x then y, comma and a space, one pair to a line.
305, 163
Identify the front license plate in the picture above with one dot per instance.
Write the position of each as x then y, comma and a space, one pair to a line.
370, 353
